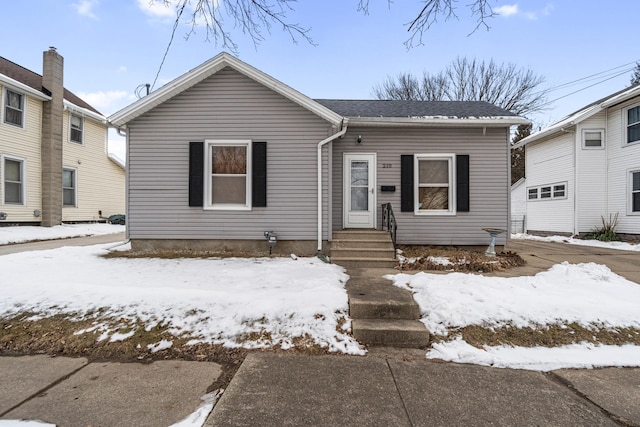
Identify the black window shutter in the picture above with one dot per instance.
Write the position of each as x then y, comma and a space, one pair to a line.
196, 173
259, 175
462, 183
406, 183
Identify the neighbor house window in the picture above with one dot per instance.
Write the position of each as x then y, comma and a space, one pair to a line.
69, 187
633, 124
548, 192
13, 108
76, 126
593, 138
435, 185
635, 191
13, 181
228, 183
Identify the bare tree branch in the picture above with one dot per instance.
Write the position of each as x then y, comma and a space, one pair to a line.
514, 89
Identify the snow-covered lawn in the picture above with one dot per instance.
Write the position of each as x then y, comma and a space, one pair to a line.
588, 294
259, 302
623, 246
21, 234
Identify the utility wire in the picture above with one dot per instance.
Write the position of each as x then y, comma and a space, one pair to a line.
173, 33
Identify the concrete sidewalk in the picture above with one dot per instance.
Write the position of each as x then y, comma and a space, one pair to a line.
276, 389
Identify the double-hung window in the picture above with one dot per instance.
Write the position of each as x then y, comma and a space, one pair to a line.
633, 124
228, 182
593, 138
434, 175
634, 202
13, 181
69, 180
13, 108
76, 125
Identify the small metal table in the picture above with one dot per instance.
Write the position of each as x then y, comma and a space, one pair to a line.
493, 232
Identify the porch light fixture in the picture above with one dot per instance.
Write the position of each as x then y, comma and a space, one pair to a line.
359, 139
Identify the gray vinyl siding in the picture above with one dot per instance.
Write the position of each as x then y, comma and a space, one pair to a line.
227, 105
489, 182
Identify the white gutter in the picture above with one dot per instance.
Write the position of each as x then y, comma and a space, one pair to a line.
84, 112
345, 125
21, 87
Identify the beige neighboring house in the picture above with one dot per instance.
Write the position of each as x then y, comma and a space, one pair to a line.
54, 163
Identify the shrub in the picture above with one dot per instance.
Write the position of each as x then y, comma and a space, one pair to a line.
606, 233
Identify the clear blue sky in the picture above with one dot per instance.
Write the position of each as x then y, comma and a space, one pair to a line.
112, 46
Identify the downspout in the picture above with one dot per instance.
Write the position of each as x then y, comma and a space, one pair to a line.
576, 148
345, 125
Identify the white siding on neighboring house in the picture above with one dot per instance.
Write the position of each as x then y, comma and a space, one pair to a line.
547, 163
24, 143
100, 182
622, 158
591, 176
519, 206
226, 106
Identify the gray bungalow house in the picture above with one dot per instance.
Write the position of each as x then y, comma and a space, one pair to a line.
225, 153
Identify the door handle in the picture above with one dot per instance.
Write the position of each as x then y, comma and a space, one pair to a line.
373, 190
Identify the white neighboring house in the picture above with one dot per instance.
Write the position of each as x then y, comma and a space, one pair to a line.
586, 167
519, 206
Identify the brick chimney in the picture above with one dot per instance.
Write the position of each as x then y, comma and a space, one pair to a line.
51, 146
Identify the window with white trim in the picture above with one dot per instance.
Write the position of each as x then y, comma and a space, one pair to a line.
13, 181
633, 124
76, 126
228, 174
592, 138
634, 201
69, 186
434, 190
13, 107
548, 192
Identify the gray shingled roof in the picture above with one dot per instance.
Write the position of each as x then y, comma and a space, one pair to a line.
34, 81
392, 108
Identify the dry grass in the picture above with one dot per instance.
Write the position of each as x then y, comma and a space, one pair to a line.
461, 260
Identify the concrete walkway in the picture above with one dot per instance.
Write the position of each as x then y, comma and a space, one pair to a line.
58, 243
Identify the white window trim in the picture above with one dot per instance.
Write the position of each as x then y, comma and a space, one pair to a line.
24, 108
630, 173
23, 179
82, 121
625, 119
75, 188
539, 188
207, 175
584, 142
451, 159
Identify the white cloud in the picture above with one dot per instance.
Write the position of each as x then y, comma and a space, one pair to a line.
506, 10
108, 102
122, 69
85, 8
158, 9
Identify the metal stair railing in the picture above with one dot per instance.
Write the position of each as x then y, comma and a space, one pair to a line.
389, 221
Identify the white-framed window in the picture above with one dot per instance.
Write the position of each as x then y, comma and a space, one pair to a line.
633, 124
593, 138
548, 192
69, 187
228, 174
13, 108
14, 188
76, 128
435, 185
634, 192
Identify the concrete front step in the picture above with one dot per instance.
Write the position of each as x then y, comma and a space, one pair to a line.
379, 299
361, 235
393, 333
362, 252
357, 243
359, 262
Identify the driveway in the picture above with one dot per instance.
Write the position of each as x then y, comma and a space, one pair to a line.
542, 255
58, 243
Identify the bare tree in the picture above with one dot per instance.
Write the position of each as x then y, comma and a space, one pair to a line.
505, 85
517, 154
635, 77
254, 17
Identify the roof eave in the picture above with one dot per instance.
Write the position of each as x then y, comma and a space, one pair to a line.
198, 74
439, 121
8, 81
84, 112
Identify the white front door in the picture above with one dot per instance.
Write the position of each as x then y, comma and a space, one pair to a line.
359, 190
